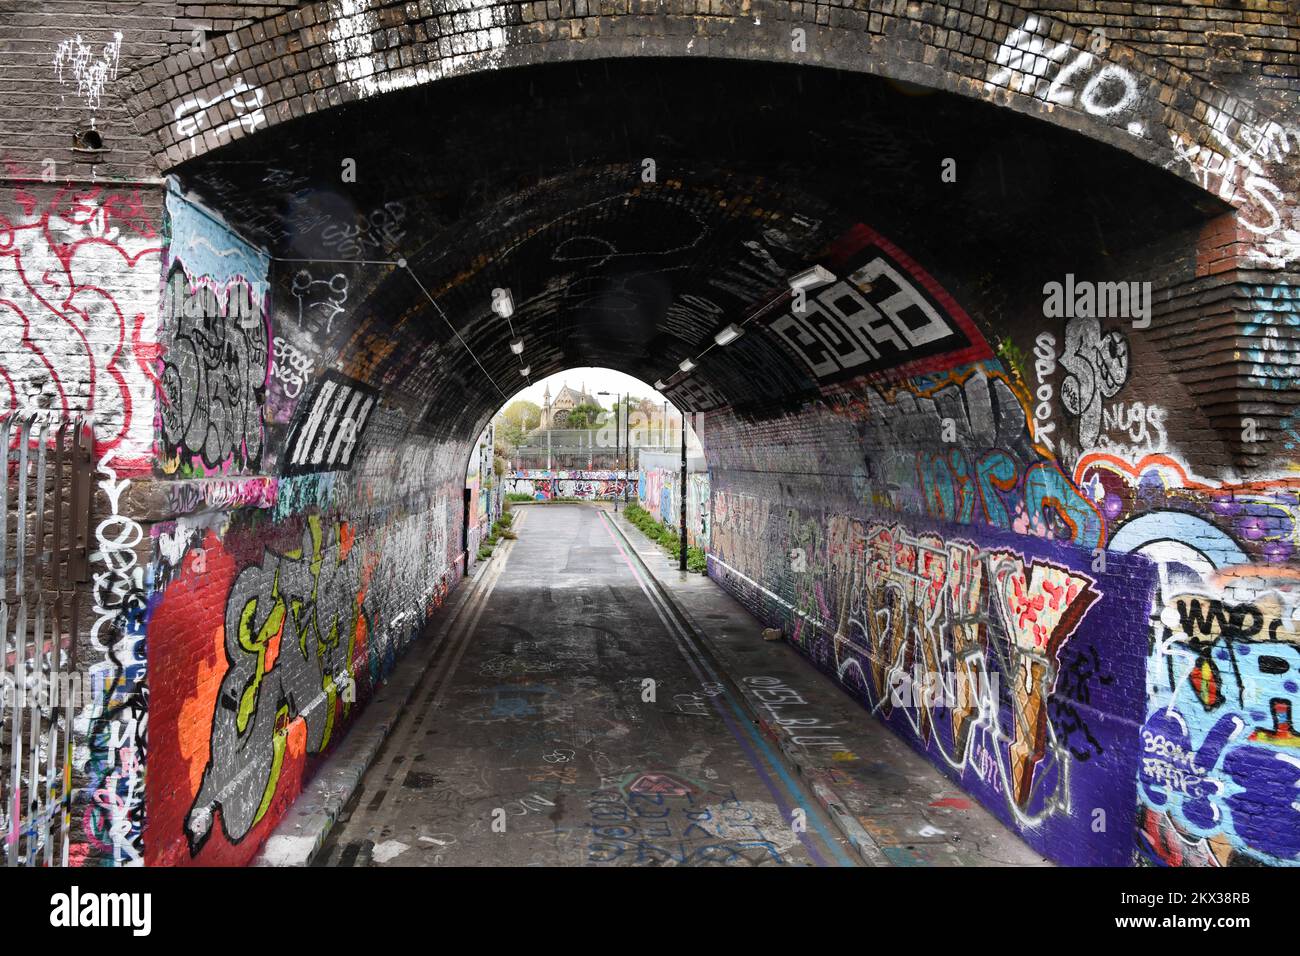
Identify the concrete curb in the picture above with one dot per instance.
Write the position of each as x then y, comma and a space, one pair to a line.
301, 833
796, 760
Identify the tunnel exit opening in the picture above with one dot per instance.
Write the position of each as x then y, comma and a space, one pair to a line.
590, 435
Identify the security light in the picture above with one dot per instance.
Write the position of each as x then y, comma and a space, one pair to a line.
810, 278
729, 334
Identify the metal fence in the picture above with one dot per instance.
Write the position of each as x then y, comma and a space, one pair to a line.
45, 505
575, 449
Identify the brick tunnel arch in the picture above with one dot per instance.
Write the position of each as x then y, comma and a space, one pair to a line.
923, 436
327, 54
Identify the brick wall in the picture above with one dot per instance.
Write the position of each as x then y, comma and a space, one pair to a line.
283, 445
1030, 526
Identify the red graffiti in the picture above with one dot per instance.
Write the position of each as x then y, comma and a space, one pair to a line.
79, 279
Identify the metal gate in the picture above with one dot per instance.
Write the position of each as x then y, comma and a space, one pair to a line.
45, 504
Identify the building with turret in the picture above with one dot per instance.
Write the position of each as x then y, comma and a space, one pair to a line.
555, 413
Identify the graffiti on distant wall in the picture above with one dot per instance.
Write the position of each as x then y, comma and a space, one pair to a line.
658, 492
590, 485
214, 374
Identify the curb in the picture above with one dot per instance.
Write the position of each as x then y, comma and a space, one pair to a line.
827, 797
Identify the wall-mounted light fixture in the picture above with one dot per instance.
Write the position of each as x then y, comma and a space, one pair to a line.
811, 278
517, 346
525, 370
660, 385
686, 365
729, 334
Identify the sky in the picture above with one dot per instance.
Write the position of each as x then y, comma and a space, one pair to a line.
595, 380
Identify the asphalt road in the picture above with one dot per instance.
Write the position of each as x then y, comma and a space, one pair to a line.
565, 722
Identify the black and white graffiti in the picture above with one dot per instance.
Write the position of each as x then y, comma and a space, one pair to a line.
214, 376
1097, 364
329, 426
320, 301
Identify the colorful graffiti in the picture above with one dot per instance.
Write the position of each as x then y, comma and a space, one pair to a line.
79, 313
78, 328
1275, 325
314, 613
973, 651
114, 726
544, 484
958, 448
214, 376
1219, 771
659, 492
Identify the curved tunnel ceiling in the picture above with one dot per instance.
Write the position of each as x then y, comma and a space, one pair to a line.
533, 179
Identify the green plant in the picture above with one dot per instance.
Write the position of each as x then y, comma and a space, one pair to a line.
484, 553
513, 496
1010, 353
666, 537
506, 519
508, 534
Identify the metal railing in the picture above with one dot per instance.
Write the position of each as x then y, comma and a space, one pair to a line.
45, 506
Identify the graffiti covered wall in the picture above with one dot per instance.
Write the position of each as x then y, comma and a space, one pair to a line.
658, 491
980, 527
79, 320
590, 485
306, 538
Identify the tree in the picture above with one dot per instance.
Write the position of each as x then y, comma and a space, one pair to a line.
514, 422
584, 416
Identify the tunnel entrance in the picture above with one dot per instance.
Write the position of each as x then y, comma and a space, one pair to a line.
915, 466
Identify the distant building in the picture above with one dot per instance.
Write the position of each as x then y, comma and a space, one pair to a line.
555, 413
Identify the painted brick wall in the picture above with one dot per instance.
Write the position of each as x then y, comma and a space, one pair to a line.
658, 491
306, 536
912, 529
588, 484
236, 439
